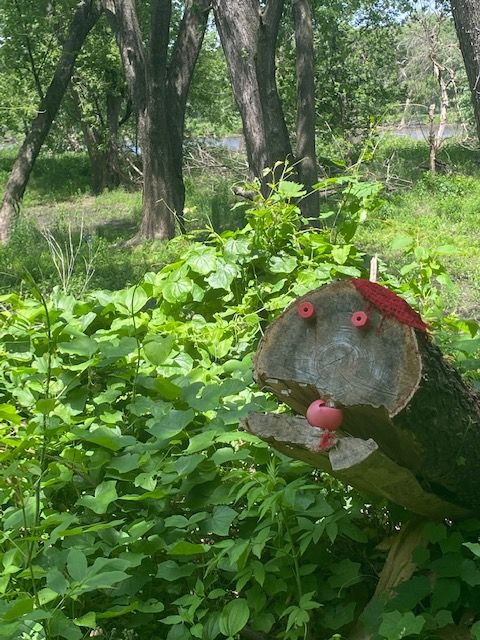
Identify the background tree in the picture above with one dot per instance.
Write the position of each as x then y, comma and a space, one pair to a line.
432, 72
466, 14
306, 116
83, 20
158, 85
248, 32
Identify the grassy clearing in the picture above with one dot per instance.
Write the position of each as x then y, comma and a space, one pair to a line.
436, 210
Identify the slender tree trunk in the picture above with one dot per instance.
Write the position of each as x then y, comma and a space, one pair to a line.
182, 64
278, 141
101, 143
466, 14
84, 19
248, 34
306, 153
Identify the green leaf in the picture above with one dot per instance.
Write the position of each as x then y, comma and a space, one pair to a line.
403, 241
475, 631
201, 441
9, 413
396, 625
171, 570
221, 520
170, 424
474, 547
158, 349
202, 259
77, 564
287, 189
410, 593
19, 608
282, 264
185, 548
105, 494
223, 277
87, 620
234, 617
177, 289
131, 300
107, 437
340, 253
435, 531
82, 346
56, 581
445, 593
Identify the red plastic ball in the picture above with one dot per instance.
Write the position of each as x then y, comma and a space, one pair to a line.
306, 310
360, 319
318, 415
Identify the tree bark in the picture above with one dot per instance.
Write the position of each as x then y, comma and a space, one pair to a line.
102, 145
305, 149
180, 72
466, 14
392, 384
84, 19
248, 34
158, 90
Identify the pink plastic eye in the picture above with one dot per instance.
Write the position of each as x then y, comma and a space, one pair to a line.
306, 310
360, 319
318, 415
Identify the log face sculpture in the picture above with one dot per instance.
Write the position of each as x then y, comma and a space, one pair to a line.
392, 384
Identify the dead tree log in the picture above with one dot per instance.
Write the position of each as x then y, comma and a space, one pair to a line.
413, 425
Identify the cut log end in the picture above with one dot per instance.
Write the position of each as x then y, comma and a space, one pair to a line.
390, 381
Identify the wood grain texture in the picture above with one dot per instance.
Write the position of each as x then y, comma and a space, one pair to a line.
391, 382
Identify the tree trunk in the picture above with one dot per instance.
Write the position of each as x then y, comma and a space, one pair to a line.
305, 151
82, 22
101, 143
410, 423
466, 14
248, 35
180, 72
157, 91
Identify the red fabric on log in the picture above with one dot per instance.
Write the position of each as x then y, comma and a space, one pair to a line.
389, 303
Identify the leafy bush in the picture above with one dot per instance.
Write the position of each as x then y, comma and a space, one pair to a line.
133, 506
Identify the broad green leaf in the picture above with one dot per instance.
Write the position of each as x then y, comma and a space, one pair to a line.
9, 413
132, 300
177, 289
19, 608
158, 348
170, 570
170, 424
445, 593
289, 189
185, 548
282, 264
234, 617
403, 241
107, 437
77, 564
396, 625
82, 346
221, 520
87, 620
105, 494
202, 259
223, 277
56, 581
340, 253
